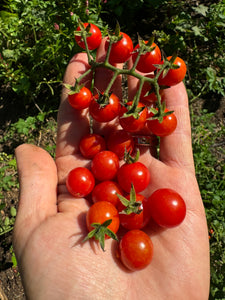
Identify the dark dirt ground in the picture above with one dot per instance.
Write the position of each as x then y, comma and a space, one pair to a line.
10, 281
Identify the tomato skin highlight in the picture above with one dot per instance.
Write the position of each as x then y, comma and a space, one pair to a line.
174, 76
93, 41
106, 113
101, 211
80, 182
91, 144
134, 173
107, 191
166, 127
105, 165
133, 220
121, 50
148, 60
136, 250
118, 141
167, 208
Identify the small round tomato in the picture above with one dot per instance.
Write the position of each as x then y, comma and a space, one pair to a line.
131, 124
105, 112
93, 41
166, 127
167, 207
174, 76
134, 220
120, 141
136, 250
80, 100
133, 173
107, 191
121, 50
91, 144
80, 182
100, 212
148, 60
105, 165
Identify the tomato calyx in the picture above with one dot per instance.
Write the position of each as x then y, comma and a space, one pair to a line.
116, 36
84, 31
129, 159
99, 232
168, 65
103, 98
131, 206
73, 89
146, 46
133, 110
159, 114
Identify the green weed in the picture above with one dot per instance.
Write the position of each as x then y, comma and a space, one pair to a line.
209, 154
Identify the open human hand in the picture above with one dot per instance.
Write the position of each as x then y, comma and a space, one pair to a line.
50, 224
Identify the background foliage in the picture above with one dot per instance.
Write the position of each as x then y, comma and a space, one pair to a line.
36, 43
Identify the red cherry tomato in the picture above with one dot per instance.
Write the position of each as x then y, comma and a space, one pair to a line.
93, 41
100, 212
80, 182
166, 127
121, 50
135, 173
167, 207
105, 165
136, 250
135, 220
174, 76
91, 144
80, 100
130, 123
118, 141
105, 113
107, 191
148, 60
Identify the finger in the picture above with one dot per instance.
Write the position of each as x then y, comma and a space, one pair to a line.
38, 190
70, 121
176, 149
72, 124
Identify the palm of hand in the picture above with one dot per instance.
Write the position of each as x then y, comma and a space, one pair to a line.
62, 267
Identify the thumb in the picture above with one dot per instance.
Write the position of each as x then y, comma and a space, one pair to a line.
38, 191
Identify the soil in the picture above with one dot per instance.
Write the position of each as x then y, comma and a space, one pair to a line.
10, 281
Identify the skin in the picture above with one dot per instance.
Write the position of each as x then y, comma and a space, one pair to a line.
50, 224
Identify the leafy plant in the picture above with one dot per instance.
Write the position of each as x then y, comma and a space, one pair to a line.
31, 130
195, 29
37, 41
210, 171
7, 222
7, 182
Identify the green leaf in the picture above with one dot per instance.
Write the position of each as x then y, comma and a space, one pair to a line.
201, 9
197, 31
12, 211
5, 15
7, 53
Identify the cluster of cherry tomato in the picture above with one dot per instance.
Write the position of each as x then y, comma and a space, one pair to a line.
116, 178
